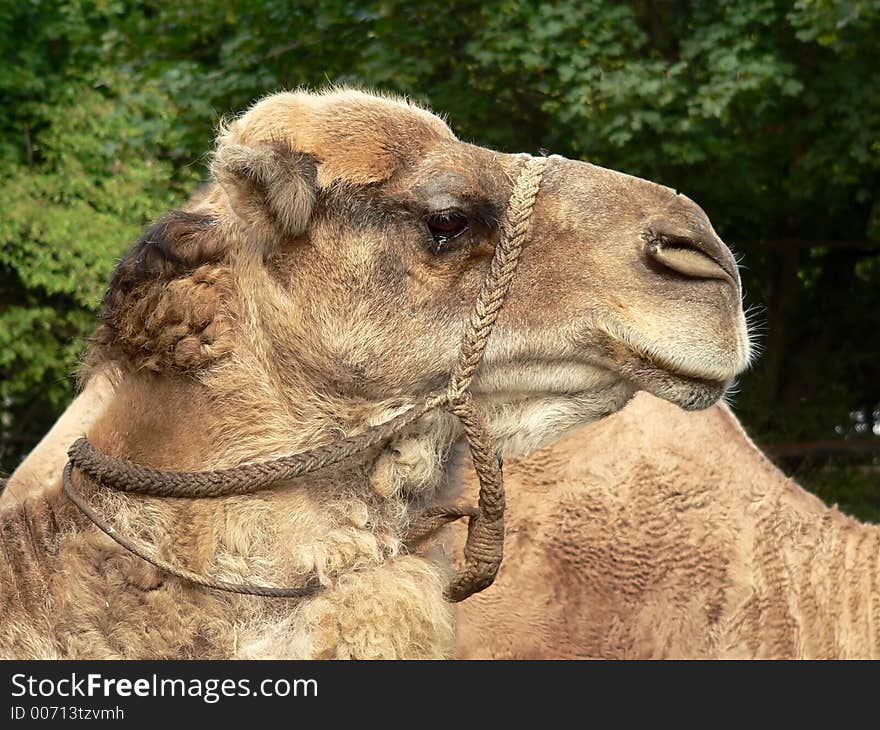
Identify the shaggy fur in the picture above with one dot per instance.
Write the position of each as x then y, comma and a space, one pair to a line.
303, 298
658, 533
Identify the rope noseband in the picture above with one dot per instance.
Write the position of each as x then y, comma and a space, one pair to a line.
483, 548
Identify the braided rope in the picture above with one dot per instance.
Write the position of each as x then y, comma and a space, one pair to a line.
309, 588
514, 231
126, 476
484, 546
428, 521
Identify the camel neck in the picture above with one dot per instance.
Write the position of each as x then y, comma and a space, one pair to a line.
182, 426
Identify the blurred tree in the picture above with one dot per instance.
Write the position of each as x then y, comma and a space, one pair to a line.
766, 112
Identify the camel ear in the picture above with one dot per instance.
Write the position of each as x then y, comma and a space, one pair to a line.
271, 187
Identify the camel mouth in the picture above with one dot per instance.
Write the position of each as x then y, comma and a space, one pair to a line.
689, 379
715, 366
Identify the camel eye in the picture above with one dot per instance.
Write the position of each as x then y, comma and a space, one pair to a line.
446, 226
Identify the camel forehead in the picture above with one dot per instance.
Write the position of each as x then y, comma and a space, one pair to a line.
357, 137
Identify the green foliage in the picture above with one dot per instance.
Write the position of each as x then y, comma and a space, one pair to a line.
852, 487
766, 112
85, 152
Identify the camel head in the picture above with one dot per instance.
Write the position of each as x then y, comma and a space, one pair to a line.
343, 246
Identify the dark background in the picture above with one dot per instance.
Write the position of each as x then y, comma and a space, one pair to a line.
766, 113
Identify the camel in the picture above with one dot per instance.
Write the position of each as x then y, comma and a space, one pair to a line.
657, 533
322, 285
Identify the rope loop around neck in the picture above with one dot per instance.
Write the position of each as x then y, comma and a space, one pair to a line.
484, 546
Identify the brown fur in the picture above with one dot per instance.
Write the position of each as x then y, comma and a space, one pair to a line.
657, 533
302, 298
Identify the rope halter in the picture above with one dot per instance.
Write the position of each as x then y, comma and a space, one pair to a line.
484, 546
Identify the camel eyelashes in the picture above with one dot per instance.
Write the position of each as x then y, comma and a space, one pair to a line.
446, 226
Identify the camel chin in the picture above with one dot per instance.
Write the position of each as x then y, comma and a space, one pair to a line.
687, 392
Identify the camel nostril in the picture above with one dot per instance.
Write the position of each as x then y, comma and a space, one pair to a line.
689, 257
